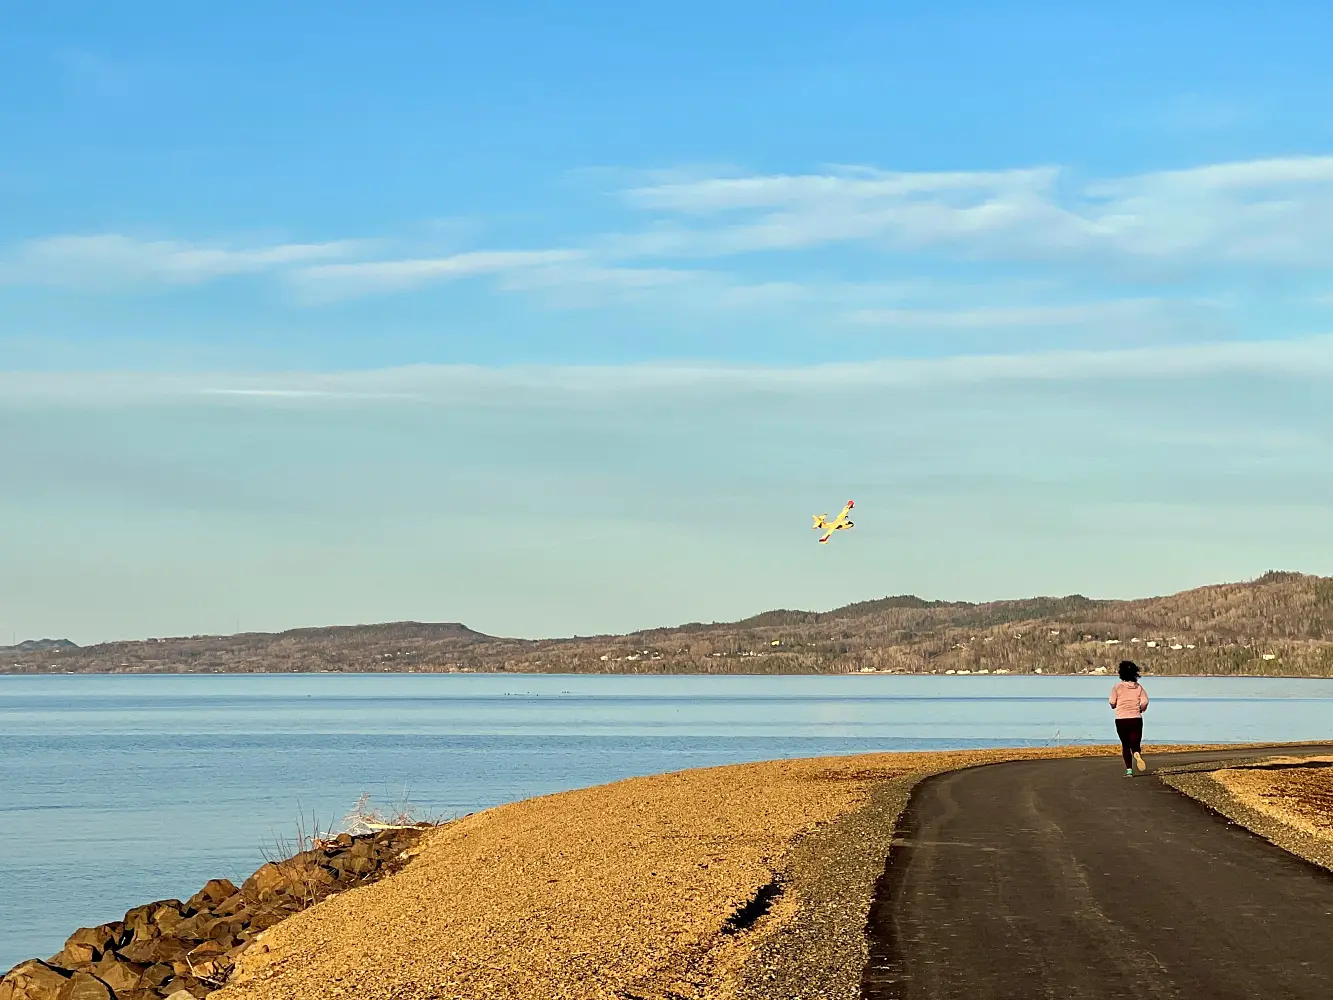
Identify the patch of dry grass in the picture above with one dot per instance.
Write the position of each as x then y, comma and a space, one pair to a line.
1301, 797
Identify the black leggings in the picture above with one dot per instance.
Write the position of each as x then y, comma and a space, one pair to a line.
1130, 732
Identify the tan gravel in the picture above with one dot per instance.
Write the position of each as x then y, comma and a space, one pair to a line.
620, 891
1301, 797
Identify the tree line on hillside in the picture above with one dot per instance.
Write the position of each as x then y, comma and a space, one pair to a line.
1281, 623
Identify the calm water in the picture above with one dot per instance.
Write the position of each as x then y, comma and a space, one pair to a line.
119, 790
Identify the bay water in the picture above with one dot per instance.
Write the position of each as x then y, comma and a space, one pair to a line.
118, 790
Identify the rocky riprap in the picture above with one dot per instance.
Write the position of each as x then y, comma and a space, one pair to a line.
187, 950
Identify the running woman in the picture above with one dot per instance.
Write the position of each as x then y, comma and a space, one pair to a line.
1130, 701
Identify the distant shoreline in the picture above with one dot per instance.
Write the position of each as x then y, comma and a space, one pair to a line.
589, 673
1278, 625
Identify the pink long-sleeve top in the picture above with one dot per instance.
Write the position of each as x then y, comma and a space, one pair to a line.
1129, 700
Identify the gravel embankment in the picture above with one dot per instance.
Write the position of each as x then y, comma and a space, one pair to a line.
749, 881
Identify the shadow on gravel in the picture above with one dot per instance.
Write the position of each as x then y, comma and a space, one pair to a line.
746, 916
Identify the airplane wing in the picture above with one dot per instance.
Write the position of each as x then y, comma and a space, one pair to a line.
842, 516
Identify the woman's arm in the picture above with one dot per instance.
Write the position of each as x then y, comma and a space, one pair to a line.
1143, 699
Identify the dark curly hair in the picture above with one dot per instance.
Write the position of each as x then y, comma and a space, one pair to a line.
1129, 670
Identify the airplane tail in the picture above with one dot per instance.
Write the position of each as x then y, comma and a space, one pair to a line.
821, 521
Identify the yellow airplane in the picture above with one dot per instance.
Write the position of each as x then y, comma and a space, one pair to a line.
840, 523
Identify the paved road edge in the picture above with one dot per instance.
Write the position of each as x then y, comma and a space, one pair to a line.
1217, 799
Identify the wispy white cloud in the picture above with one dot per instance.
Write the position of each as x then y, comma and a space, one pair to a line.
988, 317
112, 259
378, 276
469, 385
853, 184
784, 212
1274, 212
563, 278
293, 393
562, 275
590, 285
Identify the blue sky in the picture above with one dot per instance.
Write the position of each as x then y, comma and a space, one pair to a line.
557, 319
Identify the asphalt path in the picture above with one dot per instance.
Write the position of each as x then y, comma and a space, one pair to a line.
1065, 879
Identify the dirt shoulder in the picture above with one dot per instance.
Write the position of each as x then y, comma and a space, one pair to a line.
1287, 800
746, 881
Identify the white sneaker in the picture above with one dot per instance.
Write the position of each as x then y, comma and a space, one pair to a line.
1139, 761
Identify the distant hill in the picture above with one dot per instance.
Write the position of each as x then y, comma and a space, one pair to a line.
39, 646
1281, 623
337, 647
